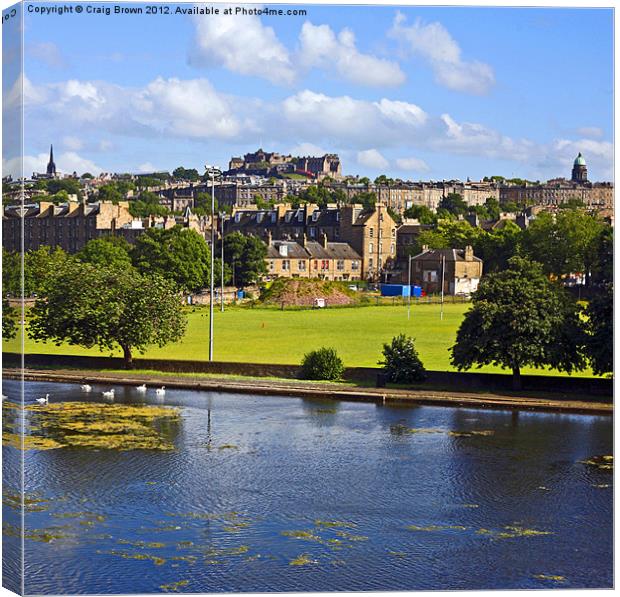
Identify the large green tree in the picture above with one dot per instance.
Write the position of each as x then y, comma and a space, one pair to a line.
112, 251
454, 203
564, 243
520, 318
246, 257
178, 254
9, 320
599, 324
90, 305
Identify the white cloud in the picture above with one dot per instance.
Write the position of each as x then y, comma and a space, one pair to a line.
46, 52
303, 149
371, 158
243, 45
147, 167
320, 47
73, 143
412, 164
592, 132
186, 107
434, 43
67, 163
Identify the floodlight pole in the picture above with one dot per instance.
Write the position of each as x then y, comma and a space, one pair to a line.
443, 270
409, 283
222, 215
212, 173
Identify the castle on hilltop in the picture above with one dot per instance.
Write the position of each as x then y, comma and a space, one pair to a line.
273, 164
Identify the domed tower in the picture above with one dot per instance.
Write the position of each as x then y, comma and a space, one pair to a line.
580, 170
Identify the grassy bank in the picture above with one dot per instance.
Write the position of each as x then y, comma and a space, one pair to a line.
273, 336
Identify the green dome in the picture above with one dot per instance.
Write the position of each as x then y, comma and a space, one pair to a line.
579, 161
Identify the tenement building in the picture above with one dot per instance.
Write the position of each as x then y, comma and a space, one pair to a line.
594, 195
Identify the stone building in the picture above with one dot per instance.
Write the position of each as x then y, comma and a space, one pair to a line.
310, 259
460, 269
71, 225
372, 234
594, 195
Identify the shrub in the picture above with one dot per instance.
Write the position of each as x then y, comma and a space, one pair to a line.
322, 364
402, 363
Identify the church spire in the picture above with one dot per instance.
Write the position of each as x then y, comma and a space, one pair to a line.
51, 166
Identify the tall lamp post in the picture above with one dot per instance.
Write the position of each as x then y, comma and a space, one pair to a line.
222, 215
409, 283
213, 173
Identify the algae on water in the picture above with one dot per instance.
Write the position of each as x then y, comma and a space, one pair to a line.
91, 425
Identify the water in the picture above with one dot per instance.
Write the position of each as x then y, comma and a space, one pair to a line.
287, 494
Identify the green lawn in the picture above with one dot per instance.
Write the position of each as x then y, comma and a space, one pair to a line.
273, 336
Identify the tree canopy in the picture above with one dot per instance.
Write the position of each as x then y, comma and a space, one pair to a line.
520, 318
178, 254
112, 251
90, 305
245, 255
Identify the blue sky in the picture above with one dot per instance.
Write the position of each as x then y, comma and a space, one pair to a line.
418, 93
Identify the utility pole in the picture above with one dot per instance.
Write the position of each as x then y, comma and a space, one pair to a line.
409, 283
222, 214
213, 173
443, 270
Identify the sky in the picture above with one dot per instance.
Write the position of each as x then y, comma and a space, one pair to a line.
415, 93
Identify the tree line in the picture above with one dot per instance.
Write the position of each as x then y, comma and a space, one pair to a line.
114, 294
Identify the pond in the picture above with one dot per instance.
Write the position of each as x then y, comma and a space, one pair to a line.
208, 492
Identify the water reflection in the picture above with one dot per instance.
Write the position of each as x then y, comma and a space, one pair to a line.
289, 494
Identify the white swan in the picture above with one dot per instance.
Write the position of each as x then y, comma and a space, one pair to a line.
161, 391
43, 400
86, 387
141, 388
108, 394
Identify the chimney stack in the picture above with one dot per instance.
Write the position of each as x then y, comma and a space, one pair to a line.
324, 241
469, 253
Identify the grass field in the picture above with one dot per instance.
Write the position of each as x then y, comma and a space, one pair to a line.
273, 336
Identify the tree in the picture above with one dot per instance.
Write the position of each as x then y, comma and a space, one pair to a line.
520, 318
39, 265
603, 265
496, 247
454, 203
112, 251
402, 363
11, 273
89, 305
368, 200
9, 320
246, 257
186, 174
564, 244
178, 254
422, 214
202, 203
599, 326
323, 363
109, 192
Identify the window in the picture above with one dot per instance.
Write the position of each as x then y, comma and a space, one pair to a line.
340, 265
392, 249
324, 264
300, 216
370, 263
286, 265
371, 247
312, 231
371, 232
355, 265
393, 232
301, 265
271, 265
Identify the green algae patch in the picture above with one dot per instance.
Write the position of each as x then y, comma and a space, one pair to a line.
551, 577
302, 560
30, 502
326, 411
334, 524
228, 447
304, 535
175, 586
400, 429
602, 463
350, 537
236, 527
511, 532
97, 426
135, 556
142, 544
48, 535
435, 528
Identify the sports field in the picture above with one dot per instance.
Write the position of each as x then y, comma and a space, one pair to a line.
273, 336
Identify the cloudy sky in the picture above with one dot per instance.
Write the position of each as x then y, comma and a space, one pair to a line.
418, 93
